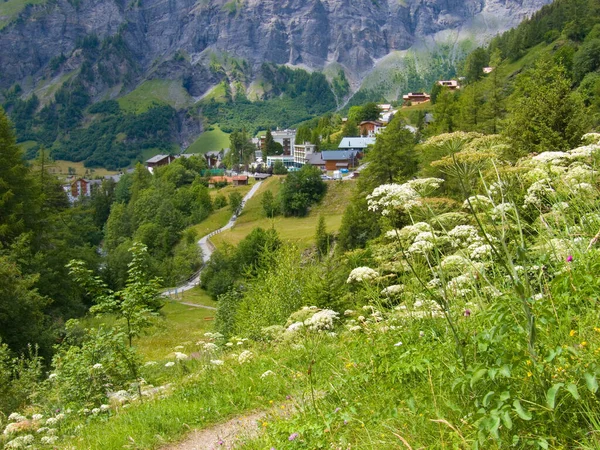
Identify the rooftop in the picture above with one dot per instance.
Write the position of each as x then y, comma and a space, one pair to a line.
338, 155
157, 158
356, 142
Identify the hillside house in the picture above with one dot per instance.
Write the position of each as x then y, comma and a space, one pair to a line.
416, 98
239, 180
340, 159
160, 160
370, 127
450, 84
357, 144
316, 159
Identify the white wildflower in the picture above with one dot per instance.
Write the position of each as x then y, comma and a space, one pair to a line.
268, 373
555, 158
394, 289
421, 247
362, 274
245, 356
294, 327
425, 186
463, 235
16, 417
480, 251
41, 430
478, 202
51, 421
180, 356
150, 363
538, 192
96, 411
52, 376
217, 362
348, 312
397, 344
391, 197
49, 440
104, 407
170, 364
37, 417
210, 347
454, 263
322, 320
355, 328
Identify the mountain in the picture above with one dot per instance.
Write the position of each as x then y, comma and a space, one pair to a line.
173, 53
312, 34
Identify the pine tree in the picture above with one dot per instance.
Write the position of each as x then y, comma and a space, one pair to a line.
16, 187
322, 238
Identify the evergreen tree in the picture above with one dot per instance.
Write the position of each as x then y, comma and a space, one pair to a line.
350, 129
544, 115
445, 111
269, 148
476, 61
269, 204
494, 108
393, 156
16, 186
322, 238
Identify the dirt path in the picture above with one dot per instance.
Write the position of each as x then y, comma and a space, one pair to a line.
226, 435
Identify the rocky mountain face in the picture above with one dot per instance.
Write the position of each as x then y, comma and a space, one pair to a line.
306, 33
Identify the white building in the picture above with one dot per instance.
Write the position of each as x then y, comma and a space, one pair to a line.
303, 152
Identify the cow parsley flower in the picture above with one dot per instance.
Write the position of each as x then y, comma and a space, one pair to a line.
395, 289
268, 373
180, 356
392, 197
16, 417
210, 347
245, 356
361, 274
49, 440
170, 364
216, 362
322, 320
97, 366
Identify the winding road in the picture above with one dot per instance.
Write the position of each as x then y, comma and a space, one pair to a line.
207, 249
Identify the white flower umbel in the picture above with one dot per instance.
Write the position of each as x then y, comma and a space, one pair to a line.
362, 274
210, 347
393, 197
322, 320
538, 192
464, 235
268, 373
395, 289
245, 356
478, 202
455, 263
216, 362
425, 186
180, 356
170, 364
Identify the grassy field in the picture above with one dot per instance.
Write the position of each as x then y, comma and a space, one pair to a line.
9, 9
217, 94
60, 168
298, 230
164, 92
213, 140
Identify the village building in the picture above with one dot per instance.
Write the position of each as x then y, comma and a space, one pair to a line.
160, 160
302, 152
357, 144
316, 159
286, 138
340, 159
286, 160
82, 188
416, 98
214, 159
240, 180
370, 127
450, 84
385, 107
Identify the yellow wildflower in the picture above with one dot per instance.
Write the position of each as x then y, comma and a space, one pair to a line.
583, 344
572, 333
529, 374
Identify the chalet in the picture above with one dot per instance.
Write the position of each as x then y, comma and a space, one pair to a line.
357, 144
240, 180
370, 127
385, 107
160, 160
316, 159
450, 84
340, 159
416, 98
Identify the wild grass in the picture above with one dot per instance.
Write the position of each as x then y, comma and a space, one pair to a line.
9, 9
300, 230
211, 140
162, 92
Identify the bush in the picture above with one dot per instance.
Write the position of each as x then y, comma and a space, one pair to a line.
300, 190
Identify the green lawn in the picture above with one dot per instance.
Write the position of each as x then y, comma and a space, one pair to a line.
60, 168
163, 92
212, 140
298, 230
217, 94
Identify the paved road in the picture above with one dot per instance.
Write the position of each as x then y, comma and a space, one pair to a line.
207, 247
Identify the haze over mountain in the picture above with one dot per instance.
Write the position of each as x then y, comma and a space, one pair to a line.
139, 39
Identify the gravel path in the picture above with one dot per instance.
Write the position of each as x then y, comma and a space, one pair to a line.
207, 247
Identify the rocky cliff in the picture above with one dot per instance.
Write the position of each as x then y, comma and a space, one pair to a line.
306, 33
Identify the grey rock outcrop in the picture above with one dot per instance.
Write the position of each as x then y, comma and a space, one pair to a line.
308, 33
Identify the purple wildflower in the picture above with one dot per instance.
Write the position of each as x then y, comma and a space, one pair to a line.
336, 410
570, 258
293, 437
220, 442
467, 313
